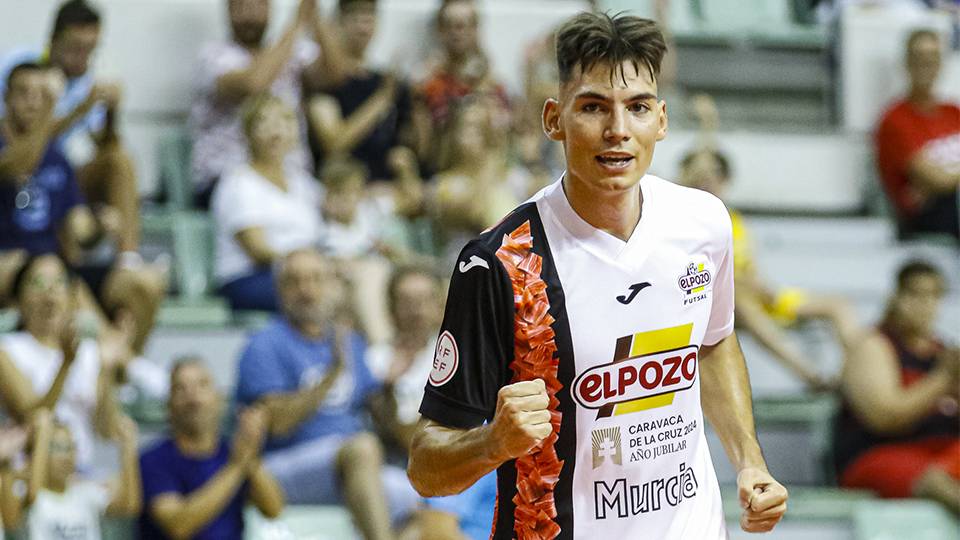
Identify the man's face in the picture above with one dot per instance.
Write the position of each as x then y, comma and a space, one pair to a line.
194, 402
302, 286
918, 302
274, 132
923, 62
608, 124
25, 97
248, 20
458, 28
416, 302
358, 23
44, 300
72, 48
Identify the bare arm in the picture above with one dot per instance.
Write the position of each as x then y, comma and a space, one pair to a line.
266, 493
16, 391
287, 411
254, 244
446, 461
329, 69
21, 154
128, 497
12, 441
726, 398
337, 134
264, 67
182, 516
929, 176
871, 379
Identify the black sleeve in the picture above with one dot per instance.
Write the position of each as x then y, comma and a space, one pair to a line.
473, 354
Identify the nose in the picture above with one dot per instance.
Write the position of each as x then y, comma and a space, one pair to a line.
616, 128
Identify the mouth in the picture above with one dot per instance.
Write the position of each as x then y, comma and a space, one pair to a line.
614, 160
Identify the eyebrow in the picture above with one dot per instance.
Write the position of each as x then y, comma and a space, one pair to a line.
601, 97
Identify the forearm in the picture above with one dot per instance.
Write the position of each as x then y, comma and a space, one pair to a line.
206, 503
771, 337
10, 505
264, 69
128, 499
727, 403
266, 493
911, 404
445, 461
105, 412
330, 68
50, 399
288, 411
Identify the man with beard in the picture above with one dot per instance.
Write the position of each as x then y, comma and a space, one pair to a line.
308, 373
195, 484
227, 73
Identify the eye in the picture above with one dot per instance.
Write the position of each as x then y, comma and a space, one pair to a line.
639, 107
591, 107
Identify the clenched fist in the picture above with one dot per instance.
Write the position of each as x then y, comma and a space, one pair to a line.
522, 419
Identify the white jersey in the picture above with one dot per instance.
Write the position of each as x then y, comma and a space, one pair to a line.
614, 328
71, 515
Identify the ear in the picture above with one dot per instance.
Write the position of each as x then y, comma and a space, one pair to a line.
552, 126
662, 109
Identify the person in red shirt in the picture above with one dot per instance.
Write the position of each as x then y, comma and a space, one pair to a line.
918, 147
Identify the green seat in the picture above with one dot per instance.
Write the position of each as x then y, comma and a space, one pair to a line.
904, 519
813, 414
812, 505
193, 248
300, 523
173, 170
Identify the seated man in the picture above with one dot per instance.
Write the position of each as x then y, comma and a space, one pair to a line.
310, 376
43, 210
87, 132
898, 431
195, 484
918, 147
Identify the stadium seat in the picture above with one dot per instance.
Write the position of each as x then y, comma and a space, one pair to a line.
300, 522
173, 171
905, 519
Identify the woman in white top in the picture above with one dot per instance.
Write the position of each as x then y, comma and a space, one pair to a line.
263, 210
46, 364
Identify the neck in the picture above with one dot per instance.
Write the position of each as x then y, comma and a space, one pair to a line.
308, 328
411, 338
616, 212
269, 167
12, 127
48, 339
922, 99
199, 445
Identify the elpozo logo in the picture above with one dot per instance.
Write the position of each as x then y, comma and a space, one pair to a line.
696, 279
637, 378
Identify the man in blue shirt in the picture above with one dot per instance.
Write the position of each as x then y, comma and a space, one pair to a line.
195, 484
43, 209
309, 374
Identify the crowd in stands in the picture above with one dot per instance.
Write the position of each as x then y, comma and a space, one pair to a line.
319, 171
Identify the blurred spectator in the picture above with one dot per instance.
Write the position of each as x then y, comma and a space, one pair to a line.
370, 112
61, 504
86, 127
195, 484
458, 69
42, 209
13, 441
227, 73
477, 186
264, 208
541, 81
309, 374
898, 432
403, 367
918, 147
764, 310
48, 365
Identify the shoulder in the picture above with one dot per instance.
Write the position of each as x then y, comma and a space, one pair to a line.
158, 454
693, 203
267, 337
894, 113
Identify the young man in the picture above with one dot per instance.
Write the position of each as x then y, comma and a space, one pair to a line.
582, 333
918, 147
195, 485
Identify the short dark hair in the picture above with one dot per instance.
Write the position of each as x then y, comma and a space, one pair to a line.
919, 34
25, 67
186, 361
716, 154
916, 268
346, 5
74, 13
591, 38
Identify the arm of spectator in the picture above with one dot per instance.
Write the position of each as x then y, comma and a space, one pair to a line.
113, 344
337, 134
871, 379
42, 421
409, 192
929, 176
727, 403
12, 442
16, 390
446, 461
266, 493
254, 244
128, 497
80, 228
329, 70
181, 517
287, 411
265, 66
754, 319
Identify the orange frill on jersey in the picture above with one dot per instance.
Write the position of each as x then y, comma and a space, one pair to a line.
534, 358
